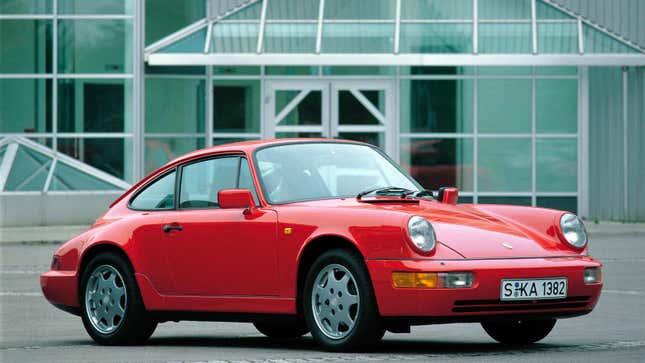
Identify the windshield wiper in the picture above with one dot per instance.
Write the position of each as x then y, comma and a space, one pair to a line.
402, 192
421, 193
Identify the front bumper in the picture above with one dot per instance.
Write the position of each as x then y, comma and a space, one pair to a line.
481, 301
61, 289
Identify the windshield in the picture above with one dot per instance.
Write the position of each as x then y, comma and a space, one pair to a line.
308, 171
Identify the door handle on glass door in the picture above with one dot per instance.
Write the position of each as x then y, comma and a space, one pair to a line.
172, 226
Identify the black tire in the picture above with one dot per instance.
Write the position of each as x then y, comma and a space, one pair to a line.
282, 330
136, 325
367, 328
519, 332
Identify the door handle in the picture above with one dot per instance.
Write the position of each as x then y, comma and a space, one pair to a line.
172, 226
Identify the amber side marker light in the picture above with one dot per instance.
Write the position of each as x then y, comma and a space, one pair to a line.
431, 280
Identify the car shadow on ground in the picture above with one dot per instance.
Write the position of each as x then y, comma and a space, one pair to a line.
386, 346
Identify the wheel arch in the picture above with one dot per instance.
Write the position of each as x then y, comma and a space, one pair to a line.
95, 250
314, 248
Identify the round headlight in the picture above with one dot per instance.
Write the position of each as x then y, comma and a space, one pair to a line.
421, 234
573, 230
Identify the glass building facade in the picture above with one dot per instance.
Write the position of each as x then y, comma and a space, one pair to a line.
124, 86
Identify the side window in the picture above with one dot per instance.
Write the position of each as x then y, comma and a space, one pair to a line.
246, 180
158, 195
201, 181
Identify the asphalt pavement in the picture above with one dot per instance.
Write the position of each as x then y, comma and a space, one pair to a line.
31, 330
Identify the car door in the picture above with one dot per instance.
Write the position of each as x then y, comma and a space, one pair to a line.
220, 252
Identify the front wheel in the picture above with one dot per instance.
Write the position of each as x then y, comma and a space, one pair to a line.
112, 310
519, 332
339, 303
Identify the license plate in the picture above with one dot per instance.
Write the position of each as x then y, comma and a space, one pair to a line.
533, 289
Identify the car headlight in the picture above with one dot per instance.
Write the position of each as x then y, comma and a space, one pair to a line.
421, 234
573, 230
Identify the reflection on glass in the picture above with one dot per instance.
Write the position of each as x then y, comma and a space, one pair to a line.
288, 9
175, 105
95, 7
351, 111
290, 38
234, 38
94, 105
436, 9
193, 43
505, 38
236, 106
94, 46
112, 155
569, 204
557, 37
504, 165
67, 178
504, 105
523, 201
439, 163
29, 171
307, 112
26, 46
557, 165
436, 38
373, 9
357, 37
26, 7
437, 106
556, 108
165, 17
159, 151
504, 9
599, 42
25, 105
358, 70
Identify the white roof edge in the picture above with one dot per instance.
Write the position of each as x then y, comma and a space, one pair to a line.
191, 59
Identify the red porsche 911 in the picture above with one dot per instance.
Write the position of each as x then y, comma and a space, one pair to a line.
323, 236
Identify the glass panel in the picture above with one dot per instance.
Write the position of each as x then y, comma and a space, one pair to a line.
464, 200
159, 195
290, 38
66, 177
557, 37
569, 204
288, 9
236, 70
436, 163
26, 46
164, 17
236, 106
523, 201
29, 171
230, 140
504, 9
504, 71
234, 38
246, 180
175, 105
94, 105
436, 38
46, 141
159, 151
437, 9
545, 11
504, 164
112, 155
373, 9
95, 7
193, 43
596, 41
251, 12
557, 165
504, 105
2, 150
291, 70
357, 71
374, 138
284, 135
25, 105
352, 112
556, 71
437, 106
503, 38
175, 70
556, 105
94, 46
437, 70
26, 7
201, 181
306, 112
357, 37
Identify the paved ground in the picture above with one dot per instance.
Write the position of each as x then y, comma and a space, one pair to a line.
33, 331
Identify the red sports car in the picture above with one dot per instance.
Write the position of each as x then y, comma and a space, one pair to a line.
323, 236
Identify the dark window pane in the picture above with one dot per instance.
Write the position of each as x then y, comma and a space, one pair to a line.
25, 105
524, 201
159, 195
569, 204
26, 46
291, 70
504, 164
236, 70
236, 106
307, 112
175, 105
112, 155
436, 38
26, 7
352, 112
464, 200
95, 6
164, 17
437, 70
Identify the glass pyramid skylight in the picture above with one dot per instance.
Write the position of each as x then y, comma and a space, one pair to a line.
28, 166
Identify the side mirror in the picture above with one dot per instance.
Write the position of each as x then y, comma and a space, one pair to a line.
448, 195
237, 198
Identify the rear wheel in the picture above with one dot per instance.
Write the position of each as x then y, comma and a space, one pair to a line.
282, 330
112, 310
519, 332
339, 303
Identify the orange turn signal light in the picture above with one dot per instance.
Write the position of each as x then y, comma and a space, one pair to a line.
426, 280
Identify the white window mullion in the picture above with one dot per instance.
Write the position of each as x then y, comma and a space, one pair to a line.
533, 28
6, 163
475, 30
321, 13
581, 43
397, 27
263, 17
